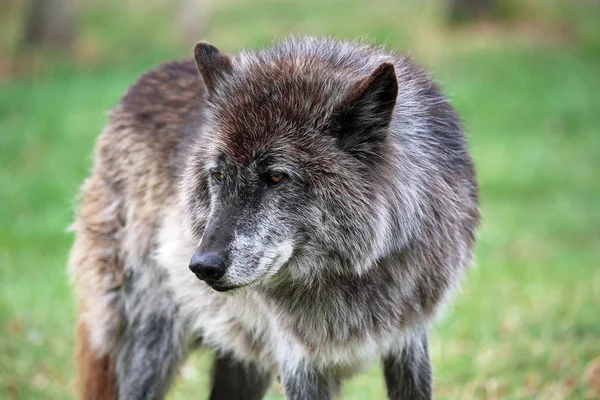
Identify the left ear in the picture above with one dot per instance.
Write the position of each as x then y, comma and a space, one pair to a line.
213, 65
360, 121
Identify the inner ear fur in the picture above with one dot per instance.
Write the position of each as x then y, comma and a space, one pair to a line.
212, 64
361, 119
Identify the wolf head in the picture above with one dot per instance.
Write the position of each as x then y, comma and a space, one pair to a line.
284, 177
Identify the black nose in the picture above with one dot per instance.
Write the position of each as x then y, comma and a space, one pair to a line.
207, 266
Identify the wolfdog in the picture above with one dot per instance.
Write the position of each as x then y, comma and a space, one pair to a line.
321, 193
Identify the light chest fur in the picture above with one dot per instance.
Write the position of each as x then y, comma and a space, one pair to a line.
249, 324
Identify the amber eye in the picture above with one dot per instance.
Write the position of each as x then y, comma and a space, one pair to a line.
276, 178
218, 176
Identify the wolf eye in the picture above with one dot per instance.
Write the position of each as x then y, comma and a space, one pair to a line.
276, 178
218, 176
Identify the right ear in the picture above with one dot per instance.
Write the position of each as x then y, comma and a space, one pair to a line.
212, 64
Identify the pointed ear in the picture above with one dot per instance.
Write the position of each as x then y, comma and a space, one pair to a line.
212, 64
360, 121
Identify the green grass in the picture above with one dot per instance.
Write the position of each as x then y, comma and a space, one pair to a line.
527, 321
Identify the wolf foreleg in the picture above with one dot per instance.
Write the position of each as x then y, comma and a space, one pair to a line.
237, 380
304, 382
408, 372
147, 358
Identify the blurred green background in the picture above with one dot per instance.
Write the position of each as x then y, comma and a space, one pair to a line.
524, 77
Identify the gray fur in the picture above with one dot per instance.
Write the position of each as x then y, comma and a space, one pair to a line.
344, 262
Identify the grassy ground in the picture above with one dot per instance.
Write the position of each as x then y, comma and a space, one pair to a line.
527, 322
